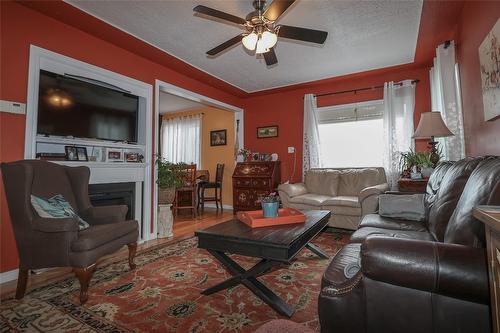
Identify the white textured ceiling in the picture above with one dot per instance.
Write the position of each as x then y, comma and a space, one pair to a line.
362, 35
172, 103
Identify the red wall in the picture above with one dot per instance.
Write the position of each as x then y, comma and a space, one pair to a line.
286, 109
476, 21
21, 27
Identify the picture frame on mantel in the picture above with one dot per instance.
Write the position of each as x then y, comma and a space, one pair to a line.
267, 132
489, 60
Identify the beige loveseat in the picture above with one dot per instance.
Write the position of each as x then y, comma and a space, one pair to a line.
349, 193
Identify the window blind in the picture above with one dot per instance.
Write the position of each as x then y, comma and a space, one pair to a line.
351, 112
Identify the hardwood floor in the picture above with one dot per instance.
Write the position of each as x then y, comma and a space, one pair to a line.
184, 227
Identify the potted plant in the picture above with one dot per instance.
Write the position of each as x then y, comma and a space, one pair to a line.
270, 205
416, 162
169, 177
244, 153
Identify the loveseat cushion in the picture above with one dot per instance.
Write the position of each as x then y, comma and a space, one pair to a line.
343, 210
361, 234
377, 221
352, 181
293, 190
343, 200
99, 235
310, 199
322, 181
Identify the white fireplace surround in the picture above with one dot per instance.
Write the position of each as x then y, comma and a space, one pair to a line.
100, 172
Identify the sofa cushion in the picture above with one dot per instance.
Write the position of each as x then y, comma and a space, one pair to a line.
322, 181
352, 181
343, 200
405, 207
99, 235
343, 210
310, 199
377, 221
293, 190
361, 234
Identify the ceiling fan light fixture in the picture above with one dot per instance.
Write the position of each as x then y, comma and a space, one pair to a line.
269, 39
261, 47
250, 41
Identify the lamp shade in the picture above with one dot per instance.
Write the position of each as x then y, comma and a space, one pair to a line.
431, 125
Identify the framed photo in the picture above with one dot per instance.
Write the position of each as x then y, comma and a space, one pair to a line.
82, 154
267, 132
218, 138
255, 157
265, 157
131, 157
114, 155
71, 153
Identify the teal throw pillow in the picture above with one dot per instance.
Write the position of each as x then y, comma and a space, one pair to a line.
56, 207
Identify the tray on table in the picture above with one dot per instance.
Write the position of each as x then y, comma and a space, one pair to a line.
256, 219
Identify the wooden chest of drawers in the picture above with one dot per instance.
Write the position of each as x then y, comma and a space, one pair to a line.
252, 181
491, 220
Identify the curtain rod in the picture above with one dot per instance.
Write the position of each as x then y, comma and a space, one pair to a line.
361, 89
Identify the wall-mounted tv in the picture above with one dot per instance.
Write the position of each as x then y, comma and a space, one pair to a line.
76, 108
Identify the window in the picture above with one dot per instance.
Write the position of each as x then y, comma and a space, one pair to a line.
351, 135
181, 139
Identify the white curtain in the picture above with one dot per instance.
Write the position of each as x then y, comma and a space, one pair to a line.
399, 104
445, 96
181, 139
311, 144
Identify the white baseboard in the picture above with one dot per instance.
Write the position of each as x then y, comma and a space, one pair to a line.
212, 205
9, 276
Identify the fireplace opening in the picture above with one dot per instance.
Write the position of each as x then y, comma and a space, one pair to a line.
114, 194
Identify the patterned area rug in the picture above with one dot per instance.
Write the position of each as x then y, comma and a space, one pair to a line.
163, 295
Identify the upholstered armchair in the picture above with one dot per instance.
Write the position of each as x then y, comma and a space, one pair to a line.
56, 242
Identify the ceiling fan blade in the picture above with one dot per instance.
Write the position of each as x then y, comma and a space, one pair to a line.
227, 44
277, 8
218, 14
270, 57
304, 34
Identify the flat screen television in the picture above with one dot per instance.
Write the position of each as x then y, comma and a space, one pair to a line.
76, 108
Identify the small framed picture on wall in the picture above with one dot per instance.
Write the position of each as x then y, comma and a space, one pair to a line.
267, 132
218, 138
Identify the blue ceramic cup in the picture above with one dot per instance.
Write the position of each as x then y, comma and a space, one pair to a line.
270, 209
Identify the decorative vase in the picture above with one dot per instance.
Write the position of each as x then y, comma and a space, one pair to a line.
165, 221
270, 209
426, 172
166, 196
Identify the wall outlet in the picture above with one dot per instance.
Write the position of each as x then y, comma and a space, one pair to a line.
291, 150
12, 107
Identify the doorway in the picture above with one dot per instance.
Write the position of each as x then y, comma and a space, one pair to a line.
177, 107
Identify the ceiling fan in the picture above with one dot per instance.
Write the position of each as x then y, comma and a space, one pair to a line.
262, 32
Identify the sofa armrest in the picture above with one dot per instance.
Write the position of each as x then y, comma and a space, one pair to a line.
293, 190
368, 198
105, 214
45, 224
447, 269
373, 190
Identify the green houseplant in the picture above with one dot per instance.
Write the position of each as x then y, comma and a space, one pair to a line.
421, 161
169, 177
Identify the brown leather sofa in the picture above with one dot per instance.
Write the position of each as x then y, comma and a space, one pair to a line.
409, 276
57, 242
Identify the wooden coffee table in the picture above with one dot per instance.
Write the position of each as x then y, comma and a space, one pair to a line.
274, 245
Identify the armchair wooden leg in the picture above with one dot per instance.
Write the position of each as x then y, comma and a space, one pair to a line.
84, 275
132, 250
22, 281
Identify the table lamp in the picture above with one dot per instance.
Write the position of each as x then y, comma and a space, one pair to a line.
432, 126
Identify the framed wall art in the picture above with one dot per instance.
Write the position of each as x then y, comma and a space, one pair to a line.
489, 60
218, 138
267, 132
